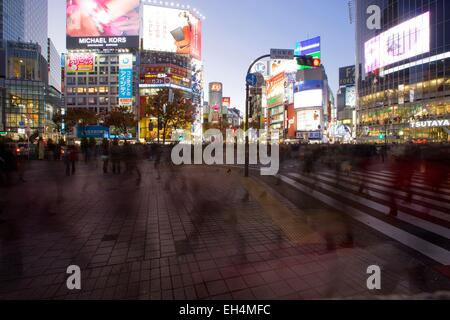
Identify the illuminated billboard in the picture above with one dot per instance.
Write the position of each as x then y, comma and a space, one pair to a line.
405, 41
277, 66
308, 98
101, 24
275, 90
126, 80
166, 74
172, 30
310, 47
309, 120
80, 62
226, 102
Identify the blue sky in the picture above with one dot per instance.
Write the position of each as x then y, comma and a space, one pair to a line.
237, 31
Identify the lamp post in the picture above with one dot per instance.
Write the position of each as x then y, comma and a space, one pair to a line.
247, 115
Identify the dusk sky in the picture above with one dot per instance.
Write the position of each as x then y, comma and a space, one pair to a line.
237, 31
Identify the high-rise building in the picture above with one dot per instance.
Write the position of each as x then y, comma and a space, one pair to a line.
24, 21
54, 66
28, 98
403, 82
12, 20
36, 22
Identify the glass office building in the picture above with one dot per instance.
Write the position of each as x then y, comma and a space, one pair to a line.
12, 20
403, 76
36, 22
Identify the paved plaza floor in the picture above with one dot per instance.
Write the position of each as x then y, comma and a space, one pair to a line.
195, 233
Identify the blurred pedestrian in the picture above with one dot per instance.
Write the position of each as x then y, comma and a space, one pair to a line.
41, 149
116, 155
71, 157
105, 155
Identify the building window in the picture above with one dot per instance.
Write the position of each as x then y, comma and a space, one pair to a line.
103, 90
103, 100
81, 101
92, 101
103, 60
103, 80
71, 80
82, 80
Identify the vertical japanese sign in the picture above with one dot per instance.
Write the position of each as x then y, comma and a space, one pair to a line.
126, 80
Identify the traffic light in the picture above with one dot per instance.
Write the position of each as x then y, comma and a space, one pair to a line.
308, 61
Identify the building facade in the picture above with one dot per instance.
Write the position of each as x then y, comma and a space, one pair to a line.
12, 20
403, 72
92, 79
54, 66
36, 22
27, 103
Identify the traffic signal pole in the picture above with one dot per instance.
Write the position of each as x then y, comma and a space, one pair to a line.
302, 60
247, 115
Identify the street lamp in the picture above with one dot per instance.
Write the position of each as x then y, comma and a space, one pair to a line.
247, 115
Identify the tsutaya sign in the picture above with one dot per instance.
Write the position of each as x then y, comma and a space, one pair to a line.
431, 124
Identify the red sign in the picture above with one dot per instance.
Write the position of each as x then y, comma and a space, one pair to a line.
80, 62
226, 102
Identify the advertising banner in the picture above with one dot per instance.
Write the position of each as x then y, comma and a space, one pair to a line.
407, 40
80, 62
102, 24
347, 76
275, 90
172, 30
310, 47
309, 120
98, 132
197, 81
126, 80
287, 66
226, 102
166, 74
308, 99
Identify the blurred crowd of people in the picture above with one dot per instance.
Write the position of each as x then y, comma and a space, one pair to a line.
403, 161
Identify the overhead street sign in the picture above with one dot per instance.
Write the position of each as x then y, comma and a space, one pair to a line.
281, 54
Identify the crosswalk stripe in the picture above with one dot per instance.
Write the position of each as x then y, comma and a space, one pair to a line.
426, 248
420, 209
415, 177
422, 186
433, 228
415, 197
389, 183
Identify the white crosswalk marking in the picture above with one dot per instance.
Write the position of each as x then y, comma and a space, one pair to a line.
377, 198
390, 179
444, 204
444, 232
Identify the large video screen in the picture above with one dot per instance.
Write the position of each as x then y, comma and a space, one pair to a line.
99, 24
308, 99
407, 40
172, 30
309, 120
